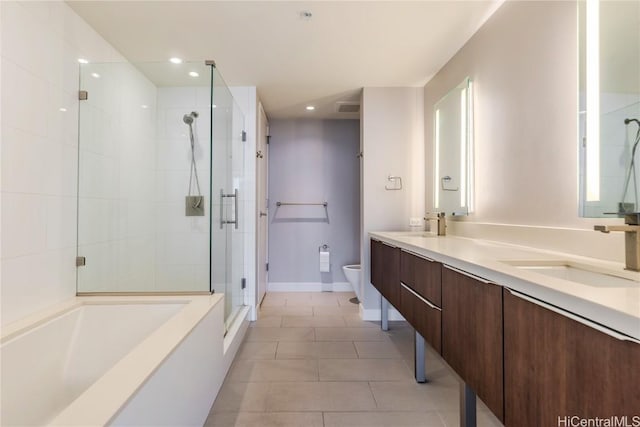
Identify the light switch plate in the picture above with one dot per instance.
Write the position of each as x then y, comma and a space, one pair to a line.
415, 222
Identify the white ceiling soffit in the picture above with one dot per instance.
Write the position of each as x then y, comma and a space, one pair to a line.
295, 62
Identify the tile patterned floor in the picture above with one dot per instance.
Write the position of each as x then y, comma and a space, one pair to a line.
310, 361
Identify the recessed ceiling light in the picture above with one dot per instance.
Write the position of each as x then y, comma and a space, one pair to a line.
144, 106
83, 61
175, 60
310, 108
95, 75
63, 109
193, 74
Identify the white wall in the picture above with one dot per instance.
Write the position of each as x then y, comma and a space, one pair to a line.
41, 42
182, 242
392, 144
313, 161
523, 63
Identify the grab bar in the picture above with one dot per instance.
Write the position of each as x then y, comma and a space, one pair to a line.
301, 204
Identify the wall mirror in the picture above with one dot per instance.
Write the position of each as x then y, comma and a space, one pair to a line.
609, 107
453, 131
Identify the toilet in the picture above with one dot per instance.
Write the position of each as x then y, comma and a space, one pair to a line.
352, 273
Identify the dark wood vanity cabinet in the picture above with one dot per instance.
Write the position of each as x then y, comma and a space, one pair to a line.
555, 367
385, 271
530, 364
421, 296
472, 334
376, 264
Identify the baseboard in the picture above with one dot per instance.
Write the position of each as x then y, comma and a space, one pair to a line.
373, 314
309, 287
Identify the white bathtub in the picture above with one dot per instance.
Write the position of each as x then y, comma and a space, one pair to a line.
115, 361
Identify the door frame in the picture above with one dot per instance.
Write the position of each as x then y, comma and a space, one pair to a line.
262, 205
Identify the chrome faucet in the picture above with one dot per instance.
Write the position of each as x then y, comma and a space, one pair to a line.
631, 231
442, 222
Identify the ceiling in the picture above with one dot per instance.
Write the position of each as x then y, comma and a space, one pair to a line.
294, 61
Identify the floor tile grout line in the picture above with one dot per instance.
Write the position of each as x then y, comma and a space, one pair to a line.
372, 394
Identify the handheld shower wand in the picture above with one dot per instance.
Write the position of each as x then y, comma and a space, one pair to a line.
194, 201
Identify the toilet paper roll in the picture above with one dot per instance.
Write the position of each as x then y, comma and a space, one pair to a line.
325, 262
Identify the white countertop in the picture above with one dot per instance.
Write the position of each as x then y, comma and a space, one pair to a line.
617, 308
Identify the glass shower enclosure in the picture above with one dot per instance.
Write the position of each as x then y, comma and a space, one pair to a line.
160, 182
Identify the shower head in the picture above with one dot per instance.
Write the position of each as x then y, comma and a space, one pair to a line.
188, 118
627, 121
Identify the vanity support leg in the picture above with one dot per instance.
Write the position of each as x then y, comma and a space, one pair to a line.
384, 313
420, 372
467, 406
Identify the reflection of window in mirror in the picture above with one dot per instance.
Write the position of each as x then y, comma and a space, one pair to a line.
453, 130
609, 104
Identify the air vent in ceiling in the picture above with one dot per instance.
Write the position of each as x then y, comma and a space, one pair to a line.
347, 107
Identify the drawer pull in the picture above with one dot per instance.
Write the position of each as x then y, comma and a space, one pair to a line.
419, 297
473, 276
586, 322
419, 256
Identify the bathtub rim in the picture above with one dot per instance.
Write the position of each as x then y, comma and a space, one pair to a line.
32, 321
103, 400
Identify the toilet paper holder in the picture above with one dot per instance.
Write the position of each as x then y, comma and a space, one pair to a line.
323, 248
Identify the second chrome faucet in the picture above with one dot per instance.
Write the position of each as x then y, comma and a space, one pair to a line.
631, 231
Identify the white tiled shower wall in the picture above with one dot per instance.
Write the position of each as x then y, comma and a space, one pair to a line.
117, 180
182, 246
616, 141
40, 44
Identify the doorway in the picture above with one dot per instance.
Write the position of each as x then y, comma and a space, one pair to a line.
262, 188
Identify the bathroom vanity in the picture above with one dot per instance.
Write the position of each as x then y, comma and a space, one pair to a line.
535, 343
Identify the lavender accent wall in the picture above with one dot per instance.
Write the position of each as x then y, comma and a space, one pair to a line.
313, 161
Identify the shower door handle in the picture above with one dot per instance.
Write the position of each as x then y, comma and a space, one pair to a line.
222, 197
235, 198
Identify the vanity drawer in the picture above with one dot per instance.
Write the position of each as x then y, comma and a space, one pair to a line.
424, 316
557, 366
423, 275
385, 271
472, 334
376, 264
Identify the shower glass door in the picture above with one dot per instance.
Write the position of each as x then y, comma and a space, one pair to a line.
227, 230
150, 136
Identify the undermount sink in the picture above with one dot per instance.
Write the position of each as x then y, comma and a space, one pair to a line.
414, 234
580, 273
